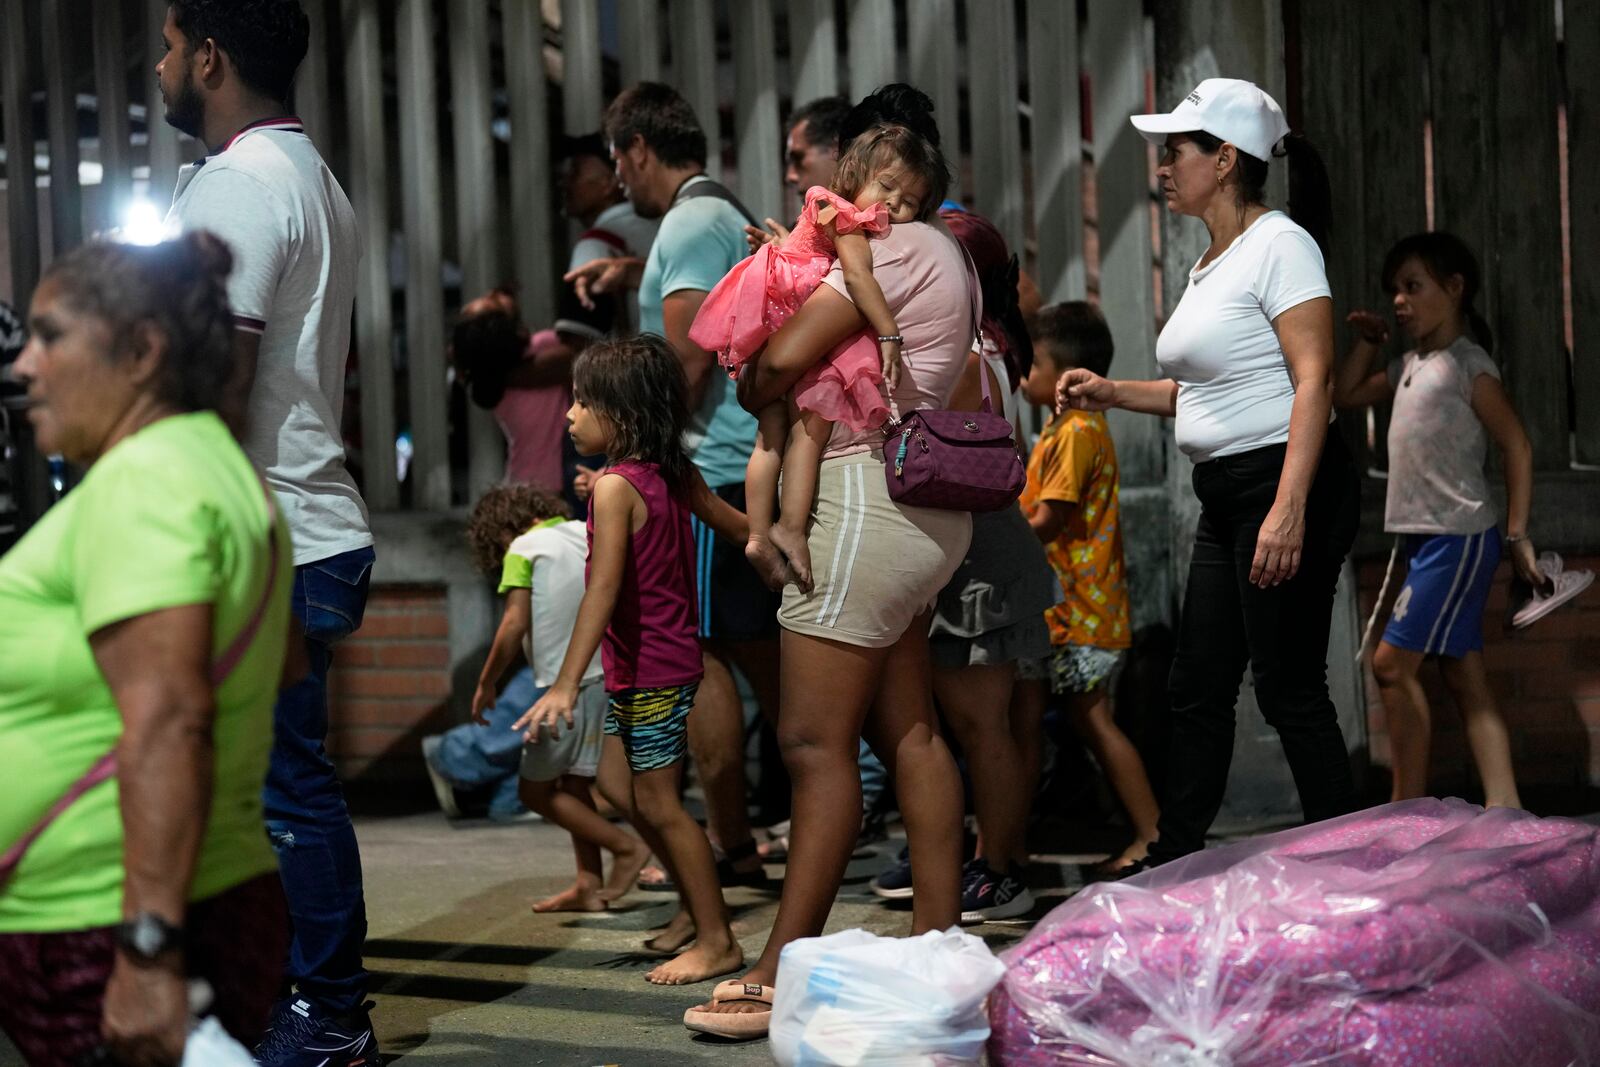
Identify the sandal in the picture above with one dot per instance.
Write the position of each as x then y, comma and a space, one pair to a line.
737, 1026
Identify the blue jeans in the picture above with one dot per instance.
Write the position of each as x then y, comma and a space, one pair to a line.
306, 815
874, 777
473, 757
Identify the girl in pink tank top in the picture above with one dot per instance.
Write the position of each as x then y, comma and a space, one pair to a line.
639, 608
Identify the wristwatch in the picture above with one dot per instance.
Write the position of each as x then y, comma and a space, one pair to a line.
148, 937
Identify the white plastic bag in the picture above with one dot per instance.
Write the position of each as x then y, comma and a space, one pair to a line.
210, 1046
854, 998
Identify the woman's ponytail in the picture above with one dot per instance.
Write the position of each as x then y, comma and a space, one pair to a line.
1310, 194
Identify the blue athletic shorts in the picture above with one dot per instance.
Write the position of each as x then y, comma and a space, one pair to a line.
735, 604
1439, 611
652, 723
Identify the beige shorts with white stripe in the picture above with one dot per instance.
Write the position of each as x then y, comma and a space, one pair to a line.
876, 564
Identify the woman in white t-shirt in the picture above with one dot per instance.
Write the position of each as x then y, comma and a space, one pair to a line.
1248, 358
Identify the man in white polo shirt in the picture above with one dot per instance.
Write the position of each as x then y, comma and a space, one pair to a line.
263, 188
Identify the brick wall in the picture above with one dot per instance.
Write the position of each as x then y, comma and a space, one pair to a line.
390, 684
1546, 679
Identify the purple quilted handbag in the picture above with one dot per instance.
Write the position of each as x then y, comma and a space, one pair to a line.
957, 460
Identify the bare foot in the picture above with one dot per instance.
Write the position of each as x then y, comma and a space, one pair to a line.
734, 1007
769, 563
574, 898
625, 868
677, 933
698, 964
792, 543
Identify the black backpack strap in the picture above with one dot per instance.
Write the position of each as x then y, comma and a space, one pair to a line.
711, 187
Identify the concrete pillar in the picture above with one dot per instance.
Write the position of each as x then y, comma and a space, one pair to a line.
992, 77
1057, 149
758, 138
639, 33
477, 224
580, 56
694, 70
869, 45
530, 162
814, 49
936, 70
166, 154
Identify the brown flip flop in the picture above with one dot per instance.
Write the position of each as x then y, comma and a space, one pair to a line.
737, 1026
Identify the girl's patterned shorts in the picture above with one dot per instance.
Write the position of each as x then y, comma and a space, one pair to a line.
1081, 668
652, 723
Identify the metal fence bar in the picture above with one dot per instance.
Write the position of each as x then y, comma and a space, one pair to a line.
1528, 225
755, 113
1117, 72
530, 162
694, 70
421, 195
16, 110
1056, 140
936, 70
813, 50
477, 225
639, 40
111, 93
580, 55
993, 80
164, 150
1583, 193
870, 50
61, 114
369, 194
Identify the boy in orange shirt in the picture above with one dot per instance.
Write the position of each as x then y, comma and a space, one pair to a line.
1071, 503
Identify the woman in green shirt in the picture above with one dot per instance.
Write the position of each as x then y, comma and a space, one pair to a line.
144, 618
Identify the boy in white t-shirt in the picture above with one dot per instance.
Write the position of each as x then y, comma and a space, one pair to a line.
542, 580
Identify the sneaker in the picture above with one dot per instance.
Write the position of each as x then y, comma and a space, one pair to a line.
987, 896
895, 883
443, 791
302, 1034
1561, 585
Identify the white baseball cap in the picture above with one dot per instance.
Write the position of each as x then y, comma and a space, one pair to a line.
1238, 112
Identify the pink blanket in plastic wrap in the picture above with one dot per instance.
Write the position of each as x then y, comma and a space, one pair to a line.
1416, 934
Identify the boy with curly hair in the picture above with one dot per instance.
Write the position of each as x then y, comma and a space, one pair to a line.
541, 555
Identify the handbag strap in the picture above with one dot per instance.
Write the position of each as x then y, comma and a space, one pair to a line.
221, 669
975, 301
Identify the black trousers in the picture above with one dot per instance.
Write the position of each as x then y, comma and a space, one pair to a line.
1282, 632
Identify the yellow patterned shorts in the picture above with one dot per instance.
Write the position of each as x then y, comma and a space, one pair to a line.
652, 723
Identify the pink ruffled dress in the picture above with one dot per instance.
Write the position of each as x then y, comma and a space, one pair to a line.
761, 292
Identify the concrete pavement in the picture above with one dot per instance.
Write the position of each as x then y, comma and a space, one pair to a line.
465, 974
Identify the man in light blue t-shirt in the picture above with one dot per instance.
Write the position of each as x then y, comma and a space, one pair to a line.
660, 153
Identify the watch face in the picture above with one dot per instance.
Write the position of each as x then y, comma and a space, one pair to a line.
147, 936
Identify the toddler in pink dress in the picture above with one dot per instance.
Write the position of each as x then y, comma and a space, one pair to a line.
874, 187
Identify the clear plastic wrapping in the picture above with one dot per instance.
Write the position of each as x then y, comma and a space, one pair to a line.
1418, 934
